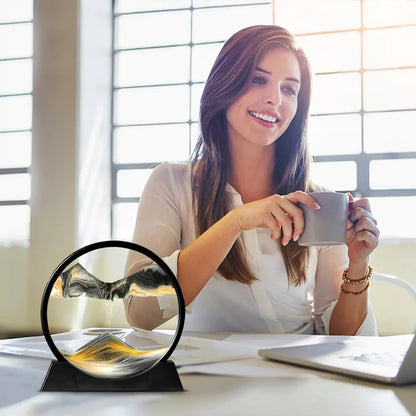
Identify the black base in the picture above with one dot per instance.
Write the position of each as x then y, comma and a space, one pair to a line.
62, 376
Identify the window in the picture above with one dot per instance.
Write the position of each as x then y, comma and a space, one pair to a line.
16, 39
363, 108
163, 51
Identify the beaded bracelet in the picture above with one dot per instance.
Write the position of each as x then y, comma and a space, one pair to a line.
346, 279
354, 293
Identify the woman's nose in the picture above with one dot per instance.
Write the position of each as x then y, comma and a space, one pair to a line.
274, 96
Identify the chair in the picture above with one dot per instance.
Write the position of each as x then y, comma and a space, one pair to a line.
397, 281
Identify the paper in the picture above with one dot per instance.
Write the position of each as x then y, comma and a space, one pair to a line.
194, 350
261, 341
28, 347
252, 367
190, 350
236, 355
259, 367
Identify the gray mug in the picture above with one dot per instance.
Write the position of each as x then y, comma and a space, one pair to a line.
326, 226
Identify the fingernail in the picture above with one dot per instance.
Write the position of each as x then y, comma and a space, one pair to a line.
316, 205
295, 238
285, 244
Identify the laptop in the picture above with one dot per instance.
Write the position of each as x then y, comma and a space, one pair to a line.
390, 360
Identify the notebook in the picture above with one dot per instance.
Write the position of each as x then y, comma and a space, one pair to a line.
390, 360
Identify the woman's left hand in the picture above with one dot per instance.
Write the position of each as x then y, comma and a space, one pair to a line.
362, 237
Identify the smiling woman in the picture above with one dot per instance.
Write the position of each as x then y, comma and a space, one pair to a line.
258, 69
228, 222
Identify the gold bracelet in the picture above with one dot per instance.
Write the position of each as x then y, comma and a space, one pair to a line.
354, 293
346, 279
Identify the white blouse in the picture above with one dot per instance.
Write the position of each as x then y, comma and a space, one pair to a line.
165, 224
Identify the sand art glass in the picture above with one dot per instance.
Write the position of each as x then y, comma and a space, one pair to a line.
112, 314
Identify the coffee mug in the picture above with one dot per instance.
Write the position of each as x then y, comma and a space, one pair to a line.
326, 226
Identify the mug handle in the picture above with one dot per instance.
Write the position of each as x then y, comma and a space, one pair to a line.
350, 202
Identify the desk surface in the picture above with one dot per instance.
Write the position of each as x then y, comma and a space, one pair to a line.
300, 392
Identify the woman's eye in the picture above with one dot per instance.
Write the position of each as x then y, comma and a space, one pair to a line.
291, 91
259, 80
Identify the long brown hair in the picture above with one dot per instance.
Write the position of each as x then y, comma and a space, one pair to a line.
230, 77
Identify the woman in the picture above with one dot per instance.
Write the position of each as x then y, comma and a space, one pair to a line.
227, 223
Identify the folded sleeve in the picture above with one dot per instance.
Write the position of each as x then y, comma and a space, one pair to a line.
332, 260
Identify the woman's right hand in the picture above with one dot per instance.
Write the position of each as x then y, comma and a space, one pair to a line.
277, 212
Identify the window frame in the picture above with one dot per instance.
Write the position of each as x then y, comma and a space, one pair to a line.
363, 159
116, 167
17, 170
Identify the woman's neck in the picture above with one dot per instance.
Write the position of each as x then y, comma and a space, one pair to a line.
251, 173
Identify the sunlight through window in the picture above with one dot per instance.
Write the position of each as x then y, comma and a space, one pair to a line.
361, 131
159, 76
16, 63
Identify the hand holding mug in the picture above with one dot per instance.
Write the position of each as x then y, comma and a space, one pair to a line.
279, 213
362, 235
341, 220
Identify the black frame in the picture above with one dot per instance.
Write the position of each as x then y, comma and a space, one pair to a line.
95, 246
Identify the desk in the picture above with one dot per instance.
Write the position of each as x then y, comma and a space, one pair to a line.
300, 392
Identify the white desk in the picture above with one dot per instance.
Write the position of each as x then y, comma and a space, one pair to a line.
300, 392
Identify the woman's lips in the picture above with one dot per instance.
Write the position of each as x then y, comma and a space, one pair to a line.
265, 120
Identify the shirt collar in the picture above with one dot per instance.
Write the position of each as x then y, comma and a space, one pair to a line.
232, 190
